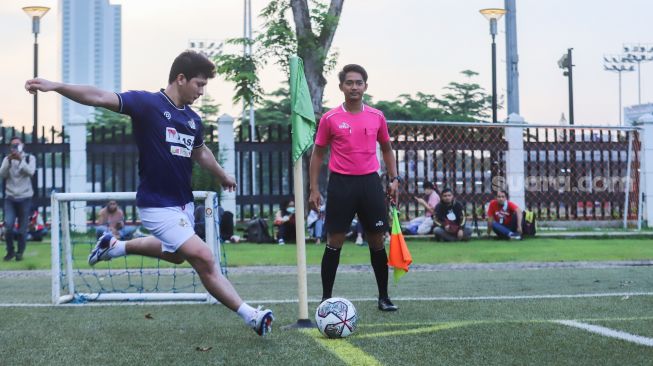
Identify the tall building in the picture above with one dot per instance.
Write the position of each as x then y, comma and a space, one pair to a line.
91, 50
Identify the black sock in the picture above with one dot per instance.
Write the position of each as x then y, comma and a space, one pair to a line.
330, 261
379, 259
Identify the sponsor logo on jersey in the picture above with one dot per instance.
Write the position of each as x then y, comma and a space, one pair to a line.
167, 115
180, 151
179, 138
344, 125
379, 223
191, 124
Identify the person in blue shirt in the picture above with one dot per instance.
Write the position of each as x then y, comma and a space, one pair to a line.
169, 137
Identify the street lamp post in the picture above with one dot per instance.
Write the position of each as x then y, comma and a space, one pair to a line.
493, 15
616, 63
566, 64
36, 13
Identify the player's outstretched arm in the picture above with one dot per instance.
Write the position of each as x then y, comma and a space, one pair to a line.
205, 158
83, 94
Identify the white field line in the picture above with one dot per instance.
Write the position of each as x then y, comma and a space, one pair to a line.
361, 299
607, 332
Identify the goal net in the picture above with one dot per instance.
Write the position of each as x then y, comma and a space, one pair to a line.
128, 278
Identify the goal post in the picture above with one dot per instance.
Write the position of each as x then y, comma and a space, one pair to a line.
74, 281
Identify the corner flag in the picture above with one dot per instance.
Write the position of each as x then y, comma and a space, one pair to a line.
302, 119
302, 115
399, 257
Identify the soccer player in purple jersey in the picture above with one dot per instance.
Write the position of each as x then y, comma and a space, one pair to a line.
169, 137
353, 130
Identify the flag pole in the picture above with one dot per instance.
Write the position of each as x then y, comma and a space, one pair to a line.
302, 283
303, 128
303, 320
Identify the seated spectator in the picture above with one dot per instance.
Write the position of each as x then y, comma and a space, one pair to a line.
504, 217
423, 225
449, 219
112, 219
284, 221
315, 224
36, 228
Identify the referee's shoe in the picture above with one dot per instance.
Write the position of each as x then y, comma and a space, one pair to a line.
386, 305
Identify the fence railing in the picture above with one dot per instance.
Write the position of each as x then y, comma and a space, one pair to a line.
567, 172
561, 172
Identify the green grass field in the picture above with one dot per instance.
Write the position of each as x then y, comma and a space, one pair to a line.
37, 255
477, 316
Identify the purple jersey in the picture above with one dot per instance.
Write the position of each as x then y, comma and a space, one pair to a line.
166, 136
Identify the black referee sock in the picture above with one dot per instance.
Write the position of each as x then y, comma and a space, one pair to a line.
379, 259
330, 261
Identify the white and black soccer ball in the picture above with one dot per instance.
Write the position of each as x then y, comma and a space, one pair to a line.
336, 317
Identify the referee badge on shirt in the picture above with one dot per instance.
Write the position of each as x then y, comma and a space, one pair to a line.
191, 124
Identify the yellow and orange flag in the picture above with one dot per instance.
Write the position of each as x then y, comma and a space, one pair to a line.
399, 257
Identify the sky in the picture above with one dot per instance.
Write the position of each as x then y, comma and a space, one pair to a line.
407, 46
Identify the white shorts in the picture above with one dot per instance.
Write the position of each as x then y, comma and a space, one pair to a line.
172, 225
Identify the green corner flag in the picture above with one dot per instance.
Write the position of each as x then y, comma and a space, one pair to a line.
302, 116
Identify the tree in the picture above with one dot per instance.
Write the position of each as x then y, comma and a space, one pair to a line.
422, 107
208, 109
466, 101
311, 39
109, 120
275, 109
315, 30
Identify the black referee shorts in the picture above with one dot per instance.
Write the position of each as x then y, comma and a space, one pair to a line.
348, 195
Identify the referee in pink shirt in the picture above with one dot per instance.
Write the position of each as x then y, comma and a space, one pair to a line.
352, 130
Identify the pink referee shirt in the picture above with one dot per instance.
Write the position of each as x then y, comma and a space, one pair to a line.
353, 138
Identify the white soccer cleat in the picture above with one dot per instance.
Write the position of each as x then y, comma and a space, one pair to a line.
261, 322
359, 240
101, 250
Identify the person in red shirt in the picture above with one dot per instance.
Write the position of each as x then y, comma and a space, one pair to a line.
504, 217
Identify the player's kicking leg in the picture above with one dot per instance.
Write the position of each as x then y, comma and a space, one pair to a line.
198, 254
200, 257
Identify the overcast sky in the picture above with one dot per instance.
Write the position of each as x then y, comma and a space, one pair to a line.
407, 46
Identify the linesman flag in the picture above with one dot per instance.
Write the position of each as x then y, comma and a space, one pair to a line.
302, 116
399, 257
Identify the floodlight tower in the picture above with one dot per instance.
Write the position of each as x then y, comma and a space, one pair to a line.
638, 53
618, 64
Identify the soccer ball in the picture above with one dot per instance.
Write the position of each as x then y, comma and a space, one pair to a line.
336, 317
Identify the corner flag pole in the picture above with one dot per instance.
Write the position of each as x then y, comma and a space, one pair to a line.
302, 283
303, 129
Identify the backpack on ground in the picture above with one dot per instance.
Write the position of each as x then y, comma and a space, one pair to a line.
528, 224
226, 225
258, 232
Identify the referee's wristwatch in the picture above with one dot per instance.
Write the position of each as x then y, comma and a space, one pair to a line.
397, 178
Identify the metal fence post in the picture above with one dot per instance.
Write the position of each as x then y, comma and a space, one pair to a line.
646, 158
228, 151
77, 133
515, 161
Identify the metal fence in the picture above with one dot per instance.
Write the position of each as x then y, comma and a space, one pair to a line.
569, 173
263, 169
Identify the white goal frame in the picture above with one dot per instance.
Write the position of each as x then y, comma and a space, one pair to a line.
60, 217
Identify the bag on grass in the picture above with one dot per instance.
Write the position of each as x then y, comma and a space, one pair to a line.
528, 224
258, 232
